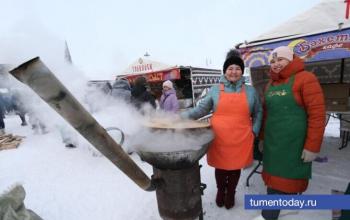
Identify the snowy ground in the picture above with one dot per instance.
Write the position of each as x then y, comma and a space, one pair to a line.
74, 184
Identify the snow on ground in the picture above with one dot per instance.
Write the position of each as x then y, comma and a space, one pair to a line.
74, 184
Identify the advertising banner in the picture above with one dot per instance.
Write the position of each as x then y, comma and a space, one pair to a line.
326, 46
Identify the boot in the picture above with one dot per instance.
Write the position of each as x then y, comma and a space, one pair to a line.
70, 146
232, 181
221, 181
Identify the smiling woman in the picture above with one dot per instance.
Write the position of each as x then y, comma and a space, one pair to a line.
280, 61
233, 69
236, 121
294, 114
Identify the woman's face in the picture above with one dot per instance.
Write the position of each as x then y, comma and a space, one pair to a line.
233, 73
165, 88
278, 64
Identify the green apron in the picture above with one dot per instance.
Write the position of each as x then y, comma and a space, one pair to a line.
285, 132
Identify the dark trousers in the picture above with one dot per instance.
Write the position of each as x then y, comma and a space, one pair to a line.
2, 123
226, 182
273, 213
227, 179
22, 117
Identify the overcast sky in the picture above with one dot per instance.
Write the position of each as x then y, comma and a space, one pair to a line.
105, 36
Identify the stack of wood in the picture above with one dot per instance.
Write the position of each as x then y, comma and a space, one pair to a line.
9, 141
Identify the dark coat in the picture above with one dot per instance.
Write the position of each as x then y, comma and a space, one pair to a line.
121, 89
2, 107
140, 96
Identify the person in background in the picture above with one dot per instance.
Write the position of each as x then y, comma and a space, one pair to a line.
68, 135
236, 120
121, 89
36, 123
140, 94
168, 101
18, 106
2, 115
294, 123
345, 213
35, 114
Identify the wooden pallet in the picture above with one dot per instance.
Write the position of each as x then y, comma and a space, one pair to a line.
9, 141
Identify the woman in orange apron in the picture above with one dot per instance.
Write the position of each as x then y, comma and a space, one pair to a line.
236, 120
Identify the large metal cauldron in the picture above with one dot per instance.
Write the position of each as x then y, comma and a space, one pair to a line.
179, 187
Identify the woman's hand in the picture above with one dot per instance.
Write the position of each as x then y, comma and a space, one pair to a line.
308, 156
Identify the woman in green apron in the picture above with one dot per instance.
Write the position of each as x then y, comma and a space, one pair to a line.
294, 123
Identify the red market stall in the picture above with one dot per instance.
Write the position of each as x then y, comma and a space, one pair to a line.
189, 82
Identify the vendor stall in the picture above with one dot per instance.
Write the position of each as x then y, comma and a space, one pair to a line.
189, 81
321, 36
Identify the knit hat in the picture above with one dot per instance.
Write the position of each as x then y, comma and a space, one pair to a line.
233, 57
283, 51
141, 81
168, 84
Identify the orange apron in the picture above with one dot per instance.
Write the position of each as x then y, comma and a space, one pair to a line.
232, 147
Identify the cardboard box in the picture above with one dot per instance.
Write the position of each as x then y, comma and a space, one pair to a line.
336, 96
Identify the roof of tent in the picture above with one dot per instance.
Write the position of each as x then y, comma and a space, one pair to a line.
143, 66
323, 17
314, 35
154, 71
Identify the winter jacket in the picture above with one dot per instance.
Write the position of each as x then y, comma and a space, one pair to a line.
2, 107
121, 89
308, 94
210, 102
17, 102
168, 101
140, 96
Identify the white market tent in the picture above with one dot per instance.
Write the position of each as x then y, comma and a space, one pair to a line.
326, 16
320, 36
144, 66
